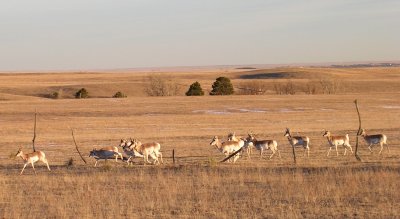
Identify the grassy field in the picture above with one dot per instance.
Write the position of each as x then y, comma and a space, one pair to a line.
197, 185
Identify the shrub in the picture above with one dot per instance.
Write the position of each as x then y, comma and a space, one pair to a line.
160, 86
253, 88
212, 162
330, 86
119, 94
82, 93
222, 86
311, 87
195, 90
55, 95
287, 88
69, 162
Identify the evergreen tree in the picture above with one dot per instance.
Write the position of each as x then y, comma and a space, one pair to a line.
119, 94
82, 93
222, 86
195, 90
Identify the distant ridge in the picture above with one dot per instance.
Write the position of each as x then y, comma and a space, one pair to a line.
242, 67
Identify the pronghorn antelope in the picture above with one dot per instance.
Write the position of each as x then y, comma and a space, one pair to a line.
338, 140
32, 158
263, 145
374, 139
232, 137
227, 147
102, 154
113, 149
148, 149
303, 141
126, 146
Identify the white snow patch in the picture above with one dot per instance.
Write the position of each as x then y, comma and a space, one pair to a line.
327, 109
252, 110
391, 107
286, 110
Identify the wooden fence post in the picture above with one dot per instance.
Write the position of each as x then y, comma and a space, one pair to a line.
76, 146
233, 154
358, 132
34, 133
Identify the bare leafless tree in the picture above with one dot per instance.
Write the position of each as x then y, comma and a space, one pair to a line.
285, 88
311, 87
252, 88
330, 86
159, 85
278, 88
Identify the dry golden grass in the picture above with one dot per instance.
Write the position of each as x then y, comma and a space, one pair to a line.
197, 185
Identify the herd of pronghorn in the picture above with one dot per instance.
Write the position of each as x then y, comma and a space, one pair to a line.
135, 148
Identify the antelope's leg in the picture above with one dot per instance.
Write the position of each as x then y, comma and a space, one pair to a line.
155, 158
96, 162
129, 159
33, 166
381, 148
261, 153
337, 153
273, 152
160, 154
387, 146
235, 158
23, 168
48, 167
370, 149
329, 151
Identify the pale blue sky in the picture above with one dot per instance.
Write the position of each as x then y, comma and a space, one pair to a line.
102, 34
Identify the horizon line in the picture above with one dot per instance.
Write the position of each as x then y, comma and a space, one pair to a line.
204, 67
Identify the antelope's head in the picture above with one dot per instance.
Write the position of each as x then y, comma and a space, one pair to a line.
93, 152
326, 134
250, 137
19, 153
287, 132
363, 133
214, 141
231, 136
135, 144
123, 143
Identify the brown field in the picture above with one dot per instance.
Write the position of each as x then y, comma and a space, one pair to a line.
198, 186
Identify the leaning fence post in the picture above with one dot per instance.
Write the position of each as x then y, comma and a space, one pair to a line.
76, 146
34, 133
233, 154
358, 132
173, 156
